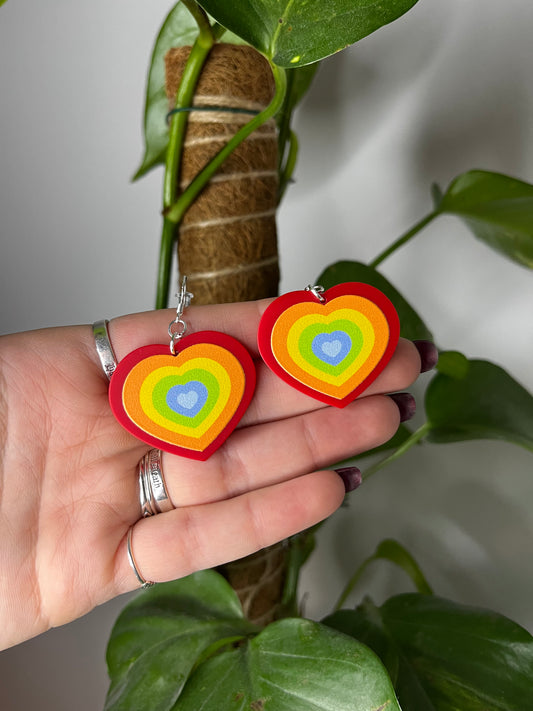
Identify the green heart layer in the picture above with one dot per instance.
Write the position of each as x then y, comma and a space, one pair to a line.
310, 333
159, 396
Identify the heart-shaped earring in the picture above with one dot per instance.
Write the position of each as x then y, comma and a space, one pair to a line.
330, 344
187, 399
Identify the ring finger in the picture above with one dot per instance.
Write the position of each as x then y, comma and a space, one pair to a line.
266, 454
274, 399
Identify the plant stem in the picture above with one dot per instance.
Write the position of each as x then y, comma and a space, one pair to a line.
352, 582
184, 97
403, 239
300, 548
402, 449
165, 264
199, 15
185, 200
284, 120
290, 163
393, 552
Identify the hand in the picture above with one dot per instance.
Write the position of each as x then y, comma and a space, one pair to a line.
69, 471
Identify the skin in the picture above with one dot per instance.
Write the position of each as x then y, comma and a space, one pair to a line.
68, 470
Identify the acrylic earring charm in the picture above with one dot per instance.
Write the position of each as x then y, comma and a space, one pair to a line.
187, 398
330, 344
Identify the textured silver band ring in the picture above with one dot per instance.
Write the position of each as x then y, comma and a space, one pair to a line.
153, 495
104, 348
144, 583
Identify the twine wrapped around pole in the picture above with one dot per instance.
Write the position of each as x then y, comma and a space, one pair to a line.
227, 243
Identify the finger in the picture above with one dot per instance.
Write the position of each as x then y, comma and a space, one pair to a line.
401, 372
241, 321
175, 544
263, 455
238, 320
274, 399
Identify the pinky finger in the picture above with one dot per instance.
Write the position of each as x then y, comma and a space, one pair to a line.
171, 545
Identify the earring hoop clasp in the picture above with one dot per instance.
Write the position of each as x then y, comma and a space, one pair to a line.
178, 327
317, 292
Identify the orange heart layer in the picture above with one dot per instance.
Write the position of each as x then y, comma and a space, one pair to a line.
186, 404
330, 349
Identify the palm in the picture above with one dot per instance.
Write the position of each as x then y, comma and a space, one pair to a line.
70, 482
69, 492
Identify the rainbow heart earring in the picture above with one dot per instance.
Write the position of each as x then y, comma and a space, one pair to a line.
186, 399
330, 344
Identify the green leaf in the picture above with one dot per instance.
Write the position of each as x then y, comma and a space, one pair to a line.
443, 656
179, 29
498, 209
453, 363
293, 665
394, 552
484, 402
411, 325
298, 82
162, 634
297, 33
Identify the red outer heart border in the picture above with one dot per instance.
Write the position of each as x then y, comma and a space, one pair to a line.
277, 307
214, 337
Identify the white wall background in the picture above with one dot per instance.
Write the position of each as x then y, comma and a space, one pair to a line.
443, 90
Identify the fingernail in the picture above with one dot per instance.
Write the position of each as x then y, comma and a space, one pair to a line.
429, 355
351, 476
406, 404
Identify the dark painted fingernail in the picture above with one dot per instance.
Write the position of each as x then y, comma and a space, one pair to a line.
406, 405
351, 476
429, 355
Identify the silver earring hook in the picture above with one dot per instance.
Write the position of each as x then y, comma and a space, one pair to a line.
178, 327
317, 292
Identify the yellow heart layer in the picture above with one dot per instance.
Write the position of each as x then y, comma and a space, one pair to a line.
361, 312
155, 377
140, 384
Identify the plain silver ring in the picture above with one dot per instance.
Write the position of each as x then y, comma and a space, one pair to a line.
144, 583
153, 495
104, 348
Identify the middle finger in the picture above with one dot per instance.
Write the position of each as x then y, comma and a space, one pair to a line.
265, 454
274, 399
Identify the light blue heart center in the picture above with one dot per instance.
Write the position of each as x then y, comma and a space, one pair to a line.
331, 348
187, 399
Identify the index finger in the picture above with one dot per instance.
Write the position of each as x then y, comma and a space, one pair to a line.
239, 320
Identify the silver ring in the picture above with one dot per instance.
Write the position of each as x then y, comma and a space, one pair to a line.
144, 583
104, 348
153, 495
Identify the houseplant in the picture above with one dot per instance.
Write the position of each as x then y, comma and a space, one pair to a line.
187, 644
306, 276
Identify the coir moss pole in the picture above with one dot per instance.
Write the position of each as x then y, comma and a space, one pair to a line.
227, 240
